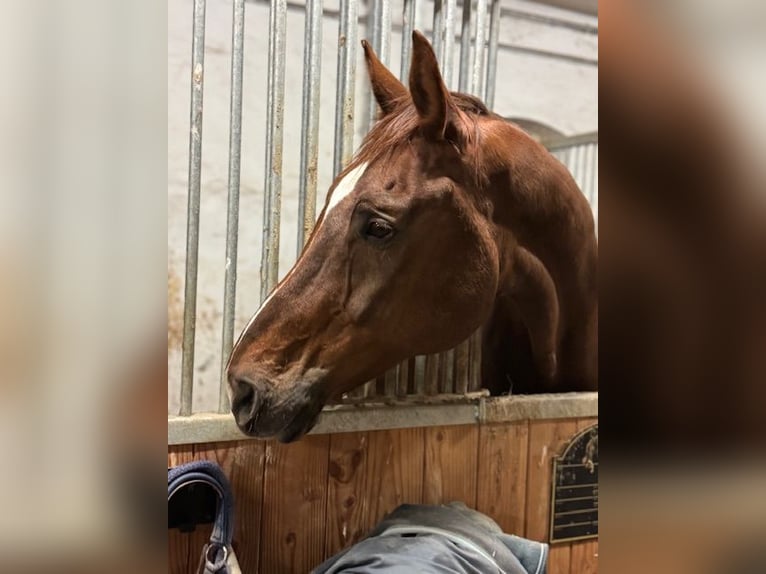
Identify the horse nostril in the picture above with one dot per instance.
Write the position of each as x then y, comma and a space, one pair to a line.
245, 401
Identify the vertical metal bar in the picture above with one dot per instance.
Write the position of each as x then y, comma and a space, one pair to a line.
448, 32
403, 379
312, 73
461, 367
587, 187
437, 39
478, 54
381, 40
431, 374
232, 218
344, 104
446, 372
192, 222
391, 377
465, 48
275, 105
474, 371
408, 24
494, 38
419, 374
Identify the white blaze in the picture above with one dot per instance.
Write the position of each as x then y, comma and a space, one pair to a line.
346, 185
343, 189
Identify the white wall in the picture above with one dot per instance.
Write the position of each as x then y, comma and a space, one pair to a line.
547, 72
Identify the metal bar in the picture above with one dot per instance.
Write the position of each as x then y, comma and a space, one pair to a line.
446, 372
275, 105
431, 375
461, 367
380, 22
409, 10
344, 104
403, 379
419, 386
437, 37
494, 36
312, 73
390, 379
474, 363
465, 48
192, 222
587, 187
232, 217
474, 408
448, 31
477, 77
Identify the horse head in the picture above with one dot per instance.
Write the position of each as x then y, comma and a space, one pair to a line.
402, 260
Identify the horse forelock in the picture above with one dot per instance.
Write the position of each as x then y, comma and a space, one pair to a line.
396, 129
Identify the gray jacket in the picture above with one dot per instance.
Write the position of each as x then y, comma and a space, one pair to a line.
450, 539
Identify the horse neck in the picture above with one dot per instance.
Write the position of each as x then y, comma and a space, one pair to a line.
535, 198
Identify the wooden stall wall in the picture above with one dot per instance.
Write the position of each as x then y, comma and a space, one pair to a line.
298, 504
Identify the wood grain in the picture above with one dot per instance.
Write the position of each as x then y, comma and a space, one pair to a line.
295, 496
546, 440
584, 557
242, 462
502, 474
451, 454
394, 472
346, 489
584, 553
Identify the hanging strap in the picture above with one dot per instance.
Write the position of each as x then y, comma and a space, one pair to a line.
209, 473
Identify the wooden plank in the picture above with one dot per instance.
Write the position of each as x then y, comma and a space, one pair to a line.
346, 491
243, 463
179, 558
294, 500
394, 472
451, 454
586, 422
584, 557
546, 440
502, 474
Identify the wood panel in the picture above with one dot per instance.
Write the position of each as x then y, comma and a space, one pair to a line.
502, 474
299, 504
584, 559
546, 440
347, 480
243, 464
395, 471
584, 553
451, 454
294, 504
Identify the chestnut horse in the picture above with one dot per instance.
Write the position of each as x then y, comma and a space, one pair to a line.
447, 219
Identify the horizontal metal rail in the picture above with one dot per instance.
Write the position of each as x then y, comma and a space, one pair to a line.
475, 408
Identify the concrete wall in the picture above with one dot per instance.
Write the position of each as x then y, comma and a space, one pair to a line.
547, 72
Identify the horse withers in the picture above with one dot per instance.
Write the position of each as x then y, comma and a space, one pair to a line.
447, 219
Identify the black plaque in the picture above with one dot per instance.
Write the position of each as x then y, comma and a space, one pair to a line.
574, 500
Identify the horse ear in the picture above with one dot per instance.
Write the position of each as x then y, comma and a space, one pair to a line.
387, 88
429, 94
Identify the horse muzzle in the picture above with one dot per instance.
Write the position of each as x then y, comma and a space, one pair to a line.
285, 411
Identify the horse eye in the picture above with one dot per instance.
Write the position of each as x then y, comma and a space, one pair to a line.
378, 229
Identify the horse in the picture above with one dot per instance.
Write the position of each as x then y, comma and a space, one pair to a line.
447, 219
